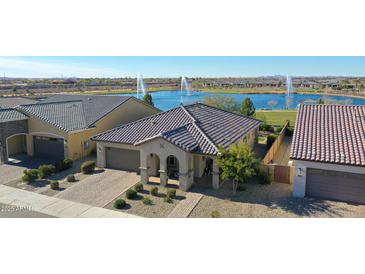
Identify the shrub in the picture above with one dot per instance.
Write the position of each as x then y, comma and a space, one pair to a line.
264, 178
71, 178
266, 127
54, 185
146, 201
66, 164
270, 140
289, 131
30, 175
215, 214
278, 129
154, 191
46, 170
241, 187
171, 193
131, 194
138, 187
167, 199
88, 167
119, 204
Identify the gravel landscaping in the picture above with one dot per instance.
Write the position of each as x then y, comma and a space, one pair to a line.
268, 201
158, 209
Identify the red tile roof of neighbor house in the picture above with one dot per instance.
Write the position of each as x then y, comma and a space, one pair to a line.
330, 133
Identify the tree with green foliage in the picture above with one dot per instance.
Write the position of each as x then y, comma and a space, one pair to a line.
237, 164
320, 101
247, 107
222, 102
147, 98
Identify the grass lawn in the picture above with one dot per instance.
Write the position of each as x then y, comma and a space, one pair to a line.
277, 117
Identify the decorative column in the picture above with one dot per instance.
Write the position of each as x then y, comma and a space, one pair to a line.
163, 178
101, 161
144, 175
215, 177
184, 181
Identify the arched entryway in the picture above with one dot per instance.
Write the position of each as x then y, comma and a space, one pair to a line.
16, 145
153, 164
172, 167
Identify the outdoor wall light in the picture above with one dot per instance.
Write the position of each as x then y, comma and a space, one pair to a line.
300, 172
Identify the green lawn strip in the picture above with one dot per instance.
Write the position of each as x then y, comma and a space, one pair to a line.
277, 117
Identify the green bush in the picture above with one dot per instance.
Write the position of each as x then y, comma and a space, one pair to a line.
241, 187
215, 214
54, 185
270, 140
154, 191
278, 129
119, 203
71, 178
88, 167
131, 194
146, 201
167, 199
30, 175
66, 164
46, 170
264, 178
138, 187
289, 131
171, 193
266, 127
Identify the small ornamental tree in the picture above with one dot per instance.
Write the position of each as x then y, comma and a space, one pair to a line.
147, 98
237, 164
247, 107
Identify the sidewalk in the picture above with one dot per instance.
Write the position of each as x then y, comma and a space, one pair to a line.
55, 207
186, 206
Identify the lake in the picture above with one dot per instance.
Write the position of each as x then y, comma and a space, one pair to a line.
169, 99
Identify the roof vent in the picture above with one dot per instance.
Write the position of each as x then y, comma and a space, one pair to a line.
153, 122
89, 99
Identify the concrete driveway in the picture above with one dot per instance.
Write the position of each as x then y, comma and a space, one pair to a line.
269, 201
101, 188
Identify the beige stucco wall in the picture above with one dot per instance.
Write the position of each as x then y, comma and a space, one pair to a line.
16, 144
74, 141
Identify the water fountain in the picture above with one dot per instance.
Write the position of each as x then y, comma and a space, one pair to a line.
289, 91
289, 85
141, 88
185, 86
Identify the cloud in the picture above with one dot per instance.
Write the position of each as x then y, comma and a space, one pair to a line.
17, 67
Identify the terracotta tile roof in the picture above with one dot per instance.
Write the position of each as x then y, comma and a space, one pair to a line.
196, 128
8, 115
330, 134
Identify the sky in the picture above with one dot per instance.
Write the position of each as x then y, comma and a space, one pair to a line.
193, 66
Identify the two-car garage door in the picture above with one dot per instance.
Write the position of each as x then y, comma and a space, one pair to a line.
335, 185
123, 159
49, 148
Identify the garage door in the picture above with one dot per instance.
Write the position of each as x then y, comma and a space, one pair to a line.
48, 148
334, 185
123, 159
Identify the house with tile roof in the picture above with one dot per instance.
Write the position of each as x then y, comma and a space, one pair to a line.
181, 143
328, 152
60, 126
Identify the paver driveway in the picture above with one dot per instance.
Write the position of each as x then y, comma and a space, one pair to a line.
100, 189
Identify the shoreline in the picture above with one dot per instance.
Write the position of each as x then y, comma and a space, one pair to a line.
102, 92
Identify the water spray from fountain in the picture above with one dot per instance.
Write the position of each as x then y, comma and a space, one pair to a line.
289, 91
185, 86
141, 88
289, 85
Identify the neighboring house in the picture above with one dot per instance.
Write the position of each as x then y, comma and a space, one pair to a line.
328, 150
61, 126
179, 143
12, 102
